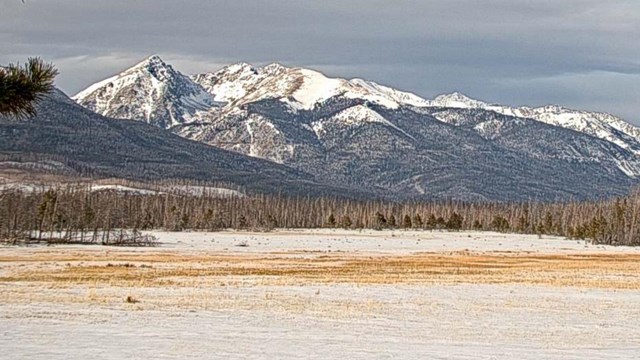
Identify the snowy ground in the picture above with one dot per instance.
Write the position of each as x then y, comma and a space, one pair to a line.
323, 294
7, 185
372, 241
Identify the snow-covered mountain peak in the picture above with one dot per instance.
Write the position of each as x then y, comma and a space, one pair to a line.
157, 68
274, 69
151, 68
457, 100
243, 69
310, 87
237, 69
151, 90
151, 61
231, 82
555, 109
301, 88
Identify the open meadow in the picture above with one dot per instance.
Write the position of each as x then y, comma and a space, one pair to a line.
322, 294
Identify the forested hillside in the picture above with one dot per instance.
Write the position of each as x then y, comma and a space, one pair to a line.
83, 143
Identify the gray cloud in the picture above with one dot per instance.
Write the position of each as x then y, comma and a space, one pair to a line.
579, 53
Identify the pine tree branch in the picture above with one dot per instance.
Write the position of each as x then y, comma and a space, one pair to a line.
21, 87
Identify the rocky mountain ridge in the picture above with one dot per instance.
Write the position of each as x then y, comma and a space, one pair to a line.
360, 134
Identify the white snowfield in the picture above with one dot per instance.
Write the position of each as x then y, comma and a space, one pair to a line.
184, 190
262, 317
398, 242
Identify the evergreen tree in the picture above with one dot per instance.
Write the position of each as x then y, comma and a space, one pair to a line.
454, 222
620, 209
331, 221
499, 223
184, 221
417, 221
208, 218
548, 223
272, 222
21, 87
107, 215
346, 222
523, 224
432, 222
406, 223
380, 220
599, 230
242, 222
392, 221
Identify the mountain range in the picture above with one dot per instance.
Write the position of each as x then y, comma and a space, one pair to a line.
366, 138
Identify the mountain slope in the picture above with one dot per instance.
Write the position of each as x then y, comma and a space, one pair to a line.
300, 88
93, 145
603, 126
409, 154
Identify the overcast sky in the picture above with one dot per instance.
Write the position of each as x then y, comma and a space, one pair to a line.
579, 53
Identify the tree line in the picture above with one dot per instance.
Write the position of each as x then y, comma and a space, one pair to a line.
77, 214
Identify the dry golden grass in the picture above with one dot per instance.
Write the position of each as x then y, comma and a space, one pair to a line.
153, 269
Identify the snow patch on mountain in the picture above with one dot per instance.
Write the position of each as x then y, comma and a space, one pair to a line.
456, 100
315, 88
360, 114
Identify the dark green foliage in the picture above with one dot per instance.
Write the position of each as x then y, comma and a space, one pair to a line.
599, 230
380, 221
499, 223
548, 223
346, 222
477, 225
392, 221
406, 223
454, 222
432, 222
417, 221
331, 221
271, 222
242, 222
523, 224
22, 86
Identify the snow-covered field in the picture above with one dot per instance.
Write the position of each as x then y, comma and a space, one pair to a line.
372, 241
322, 294
186, 190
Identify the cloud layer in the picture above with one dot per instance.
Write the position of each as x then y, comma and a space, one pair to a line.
579, 53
